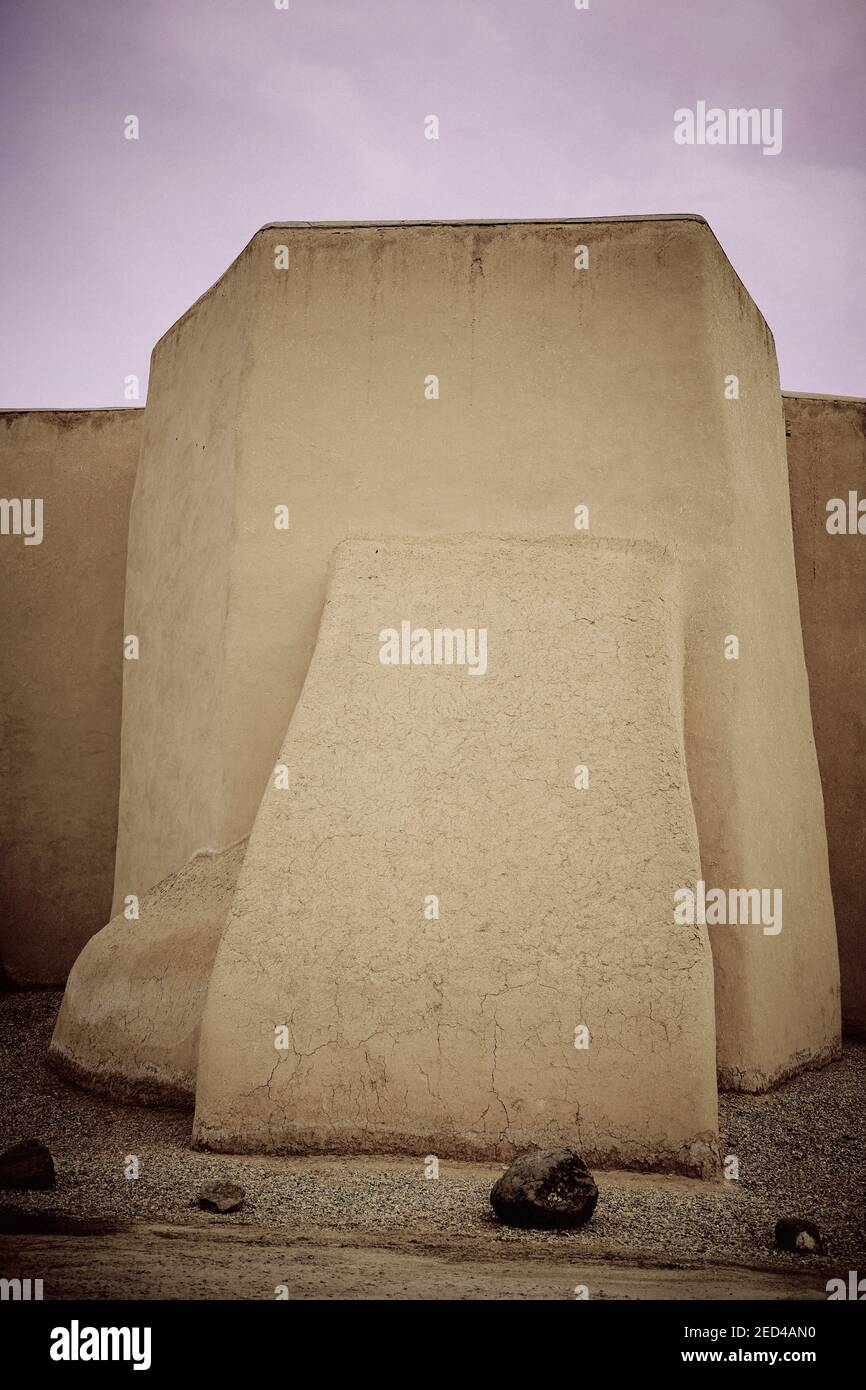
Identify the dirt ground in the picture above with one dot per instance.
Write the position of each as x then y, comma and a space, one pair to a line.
341, 1227
191, 1262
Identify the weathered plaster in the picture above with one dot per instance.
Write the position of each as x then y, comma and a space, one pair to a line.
457, 1035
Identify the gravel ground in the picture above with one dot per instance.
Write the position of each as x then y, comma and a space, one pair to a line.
801, 1151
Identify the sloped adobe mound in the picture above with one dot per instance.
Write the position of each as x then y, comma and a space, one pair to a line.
430, 910
130, 1017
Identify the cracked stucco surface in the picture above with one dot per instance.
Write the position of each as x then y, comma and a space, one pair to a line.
556, 905
130, 1018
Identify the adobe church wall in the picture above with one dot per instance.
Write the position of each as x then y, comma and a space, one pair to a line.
61, 634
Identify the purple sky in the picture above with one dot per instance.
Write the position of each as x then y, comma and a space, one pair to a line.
252, 115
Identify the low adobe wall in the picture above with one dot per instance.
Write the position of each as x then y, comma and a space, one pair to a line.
61, 633
827, 461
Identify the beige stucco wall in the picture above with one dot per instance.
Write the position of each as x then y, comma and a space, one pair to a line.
558, 386
454, 1032
61, 631
827, 459
176, 781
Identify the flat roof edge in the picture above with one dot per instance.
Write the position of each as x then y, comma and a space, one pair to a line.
822, 396
495, 221
69, 410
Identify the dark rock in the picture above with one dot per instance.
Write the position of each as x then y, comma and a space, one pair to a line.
27, 1165
221, 1196
799, 1236
547, 1188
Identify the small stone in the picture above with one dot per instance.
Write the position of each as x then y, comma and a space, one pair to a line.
221, 1196
546, 1188
28, 1165
798, 1236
